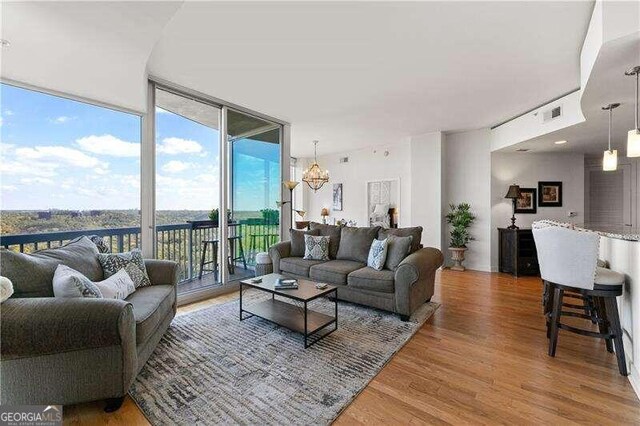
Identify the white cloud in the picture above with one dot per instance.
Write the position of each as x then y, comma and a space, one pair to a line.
37, 181
9, 188
174, 166
8, 112
109, 145
28, 168
161, 111
174, 146
61, 120
69, 156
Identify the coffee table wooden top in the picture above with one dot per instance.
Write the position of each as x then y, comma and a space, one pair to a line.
305, 292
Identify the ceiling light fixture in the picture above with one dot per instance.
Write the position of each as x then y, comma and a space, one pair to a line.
633, 139
4, 43
314, 176
610, 157
560, 142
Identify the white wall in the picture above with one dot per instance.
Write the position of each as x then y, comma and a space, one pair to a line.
526, 169
426, 186
467, 178
364, 165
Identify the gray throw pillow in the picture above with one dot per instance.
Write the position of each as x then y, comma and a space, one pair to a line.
356, 242
32, 274
397, 249
297, 241
131, 261
331, 231
415, 232
316, 247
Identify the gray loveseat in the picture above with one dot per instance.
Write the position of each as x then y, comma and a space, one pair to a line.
70, 350
402, 290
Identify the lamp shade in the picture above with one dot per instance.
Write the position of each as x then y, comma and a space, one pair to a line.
633, 143
610, 160
290, 184
324, 212
513, 192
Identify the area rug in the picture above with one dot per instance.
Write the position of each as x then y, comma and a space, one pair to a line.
211, 368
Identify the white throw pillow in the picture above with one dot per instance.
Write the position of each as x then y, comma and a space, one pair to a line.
68, 282
377, 254
6, 289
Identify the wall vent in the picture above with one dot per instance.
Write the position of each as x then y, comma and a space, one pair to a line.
344, 159
552, 114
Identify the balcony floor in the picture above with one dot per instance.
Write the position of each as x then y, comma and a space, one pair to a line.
208, 280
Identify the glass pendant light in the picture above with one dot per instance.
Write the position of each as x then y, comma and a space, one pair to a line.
633, 139
610, 158
314, 176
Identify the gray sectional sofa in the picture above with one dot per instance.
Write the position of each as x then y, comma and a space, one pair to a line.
70, 350
402, 290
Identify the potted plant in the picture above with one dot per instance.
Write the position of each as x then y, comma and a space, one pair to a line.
460, 218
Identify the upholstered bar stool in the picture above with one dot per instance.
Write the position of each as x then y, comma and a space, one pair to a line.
568, 260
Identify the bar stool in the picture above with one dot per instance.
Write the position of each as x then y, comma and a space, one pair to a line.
568, 260
203, 257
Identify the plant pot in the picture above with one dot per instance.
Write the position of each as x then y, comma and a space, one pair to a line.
457, 255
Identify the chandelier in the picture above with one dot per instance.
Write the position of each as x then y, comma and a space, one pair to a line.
314, 176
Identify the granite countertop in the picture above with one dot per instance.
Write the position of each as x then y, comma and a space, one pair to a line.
619, 232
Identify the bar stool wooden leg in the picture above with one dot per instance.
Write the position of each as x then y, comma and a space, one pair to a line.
202, 258
215, 261
244, 260
614, 325
556, 313
603, 322
548, 305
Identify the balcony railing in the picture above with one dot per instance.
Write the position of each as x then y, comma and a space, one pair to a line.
182, 242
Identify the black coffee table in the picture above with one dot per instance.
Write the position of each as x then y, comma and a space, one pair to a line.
289, 315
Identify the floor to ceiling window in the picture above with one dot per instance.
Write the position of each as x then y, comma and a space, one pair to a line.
67, 168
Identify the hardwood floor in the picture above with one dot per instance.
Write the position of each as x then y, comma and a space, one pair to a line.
481, 359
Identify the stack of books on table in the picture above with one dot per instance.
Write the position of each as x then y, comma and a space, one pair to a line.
285, 284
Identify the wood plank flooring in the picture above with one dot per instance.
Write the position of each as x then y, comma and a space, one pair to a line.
481, 359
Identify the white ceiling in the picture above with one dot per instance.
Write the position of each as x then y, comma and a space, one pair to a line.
350, 74
607, 84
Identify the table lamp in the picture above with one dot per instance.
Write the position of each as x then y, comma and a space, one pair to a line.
514, 194
324, 213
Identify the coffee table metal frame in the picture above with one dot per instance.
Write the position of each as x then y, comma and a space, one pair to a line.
287, 314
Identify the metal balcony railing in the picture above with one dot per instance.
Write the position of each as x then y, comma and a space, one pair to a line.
181, 242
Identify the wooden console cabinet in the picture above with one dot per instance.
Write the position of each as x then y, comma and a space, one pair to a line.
517, 252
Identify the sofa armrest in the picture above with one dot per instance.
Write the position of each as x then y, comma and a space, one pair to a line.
277, 252
415, 278
162, 272
48, 325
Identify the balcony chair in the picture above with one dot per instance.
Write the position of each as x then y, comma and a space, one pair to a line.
568, 261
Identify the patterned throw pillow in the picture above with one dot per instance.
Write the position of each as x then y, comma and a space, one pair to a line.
99, 242
377, 254
130, 261
316, 247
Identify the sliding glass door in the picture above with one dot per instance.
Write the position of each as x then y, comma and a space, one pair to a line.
215, 242
254, 189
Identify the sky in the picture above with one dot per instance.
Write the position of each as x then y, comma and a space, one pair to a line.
62, 154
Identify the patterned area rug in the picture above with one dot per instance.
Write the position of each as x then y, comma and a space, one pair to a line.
211, 368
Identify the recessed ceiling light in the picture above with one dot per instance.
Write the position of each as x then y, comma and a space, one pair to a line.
560, 142
4, 43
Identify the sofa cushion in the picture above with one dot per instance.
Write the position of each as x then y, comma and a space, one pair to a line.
297, 241
331, 231
151, 304
415, 232
130, 261
334, 271
371, 279
397, 249
356, 242
32, 274
297, 265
